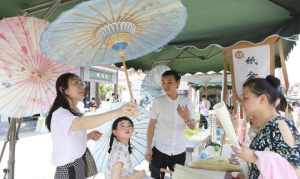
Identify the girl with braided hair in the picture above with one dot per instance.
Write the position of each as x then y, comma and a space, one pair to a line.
119, 163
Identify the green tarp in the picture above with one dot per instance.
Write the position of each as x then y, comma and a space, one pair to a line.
221, 22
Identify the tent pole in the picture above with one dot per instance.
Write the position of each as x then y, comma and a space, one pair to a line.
283, 65
12, 137
224, 84
12, 148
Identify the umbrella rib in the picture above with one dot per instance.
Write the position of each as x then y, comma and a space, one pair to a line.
138, 128
12, 32
139, 152
141, 130
79, 37
29, 42
141, 29
135, 127
137, 138
98, 154
167, 8
143, 39
104, 53
17, 91
89, 18
35, 91
140, 32
83, 22
13, 35
144, 23
8, 63
12, 56
79, 51
105, 154
84, 36
36, 43
36, 97
87, 43
135, 157
43, 85
48, 99
136, 5
28, 57
111, 10
70, 28
100, 13
141, 137
31, 92
95, 54
141, 123
134, 16
122, 9
140, 144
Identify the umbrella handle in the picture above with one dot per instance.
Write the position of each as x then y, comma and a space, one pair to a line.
122, 56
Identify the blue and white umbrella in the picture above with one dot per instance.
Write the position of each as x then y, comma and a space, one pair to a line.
138, 142
104, 31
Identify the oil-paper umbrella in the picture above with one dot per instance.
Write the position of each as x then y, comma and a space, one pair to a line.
105, 31
27, 76
138, 142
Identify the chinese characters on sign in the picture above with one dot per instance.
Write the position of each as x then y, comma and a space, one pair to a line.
251, 74
251, 60
249, 63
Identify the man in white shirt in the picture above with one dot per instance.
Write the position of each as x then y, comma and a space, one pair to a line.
205, 105
169, 116
204, 109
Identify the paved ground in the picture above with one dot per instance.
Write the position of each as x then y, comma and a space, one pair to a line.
33, 152
32, 158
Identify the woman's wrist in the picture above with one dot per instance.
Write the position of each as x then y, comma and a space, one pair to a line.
253, 157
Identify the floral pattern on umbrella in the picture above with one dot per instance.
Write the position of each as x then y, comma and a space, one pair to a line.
27, 76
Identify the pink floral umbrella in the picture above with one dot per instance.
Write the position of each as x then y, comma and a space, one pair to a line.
27, 76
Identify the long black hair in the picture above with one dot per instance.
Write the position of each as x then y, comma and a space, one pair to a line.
114, 127
269, 86
61, 98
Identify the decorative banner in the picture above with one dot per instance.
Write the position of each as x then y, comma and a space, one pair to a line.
250, 62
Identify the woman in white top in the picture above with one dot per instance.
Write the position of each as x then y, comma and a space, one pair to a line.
68, 127
119, 163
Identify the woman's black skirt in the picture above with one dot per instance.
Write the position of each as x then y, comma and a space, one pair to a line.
74, 170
